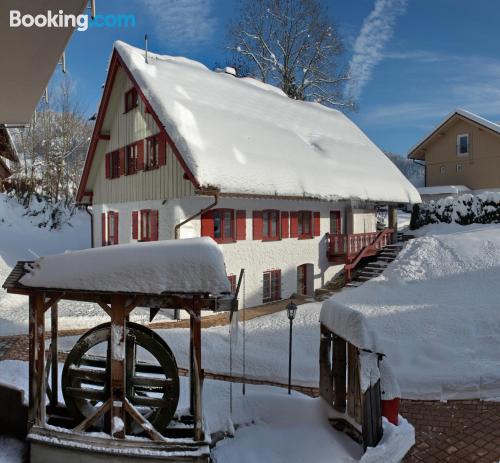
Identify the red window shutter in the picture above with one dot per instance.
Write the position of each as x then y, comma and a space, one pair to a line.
140, 155
121, 157
317, 224
135, 225
107, 162
153, 224
294, 224
257, 225
116, 227
207, 224
103, 228
241, 225
162, 150
285, 228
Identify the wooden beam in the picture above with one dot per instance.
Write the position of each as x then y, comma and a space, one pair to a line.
104, 307
339, 373
90, 420
54, 370
325, 365
117, 369
53, 300
104, 136
153, 434
196, 375
354, 399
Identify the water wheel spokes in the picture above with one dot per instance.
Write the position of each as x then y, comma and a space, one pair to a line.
152, 379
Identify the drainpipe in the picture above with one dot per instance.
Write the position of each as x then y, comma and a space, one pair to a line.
177, 228
91, 225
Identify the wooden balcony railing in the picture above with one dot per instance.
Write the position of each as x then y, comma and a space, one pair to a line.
351, 248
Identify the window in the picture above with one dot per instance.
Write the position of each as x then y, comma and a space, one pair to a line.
152, 153
232, 282
460, 168
109, 225
270, 225
148, 225
223, 225
463, 144
335, 225
271, 290
131, 159
131, 100
115, 164
442, 170
304, 224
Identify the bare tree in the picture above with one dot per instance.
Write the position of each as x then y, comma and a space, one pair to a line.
292, 44
52, 148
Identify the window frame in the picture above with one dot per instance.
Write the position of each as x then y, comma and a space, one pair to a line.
442, 170
131, 102
131, 148
459, 137
274, 293
148, 165
145, 214
223, 238
300, 225
460, 168
266, 234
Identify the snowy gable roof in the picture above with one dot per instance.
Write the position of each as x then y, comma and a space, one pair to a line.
412, 154
242, 136
194, 265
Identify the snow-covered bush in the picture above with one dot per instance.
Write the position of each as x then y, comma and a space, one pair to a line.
464, 210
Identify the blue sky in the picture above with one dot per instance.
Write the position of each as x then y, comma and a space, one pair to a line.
415, 60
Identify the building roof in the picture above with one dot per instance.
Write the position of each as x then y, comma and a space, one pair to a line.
443, 190
194, 265
414, 153
30, 55
241, 136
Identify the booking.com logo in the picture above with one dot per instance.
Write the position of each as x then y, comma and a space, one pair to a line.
81, 21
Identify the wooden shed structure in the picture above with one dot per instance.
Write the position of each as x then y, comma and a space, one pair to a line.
130, 402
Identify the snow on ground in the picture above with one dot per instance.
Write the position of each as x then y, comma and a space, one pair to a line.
12, 450
434, 312
267, 424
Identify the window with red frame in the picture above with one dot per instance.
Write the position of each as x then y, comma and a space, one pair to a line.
232, 282
109, 225
271, 290
131, 100
270, 225
148, 225
305, 224
151, 161
223, 225
131, 159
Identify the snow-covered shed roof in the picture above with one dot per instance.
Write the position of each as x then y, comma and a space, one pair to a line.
414, 153
242, 136
194, 265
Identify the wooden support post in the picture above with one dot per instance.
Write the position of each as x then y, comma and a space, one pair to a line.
117, 370
354, 385
196, 374
325, 365
36, 411
54, 365
393, 222
339, 373
372, 416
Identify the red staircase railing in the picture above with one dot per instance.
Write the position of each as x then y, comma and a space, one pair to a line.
351, 248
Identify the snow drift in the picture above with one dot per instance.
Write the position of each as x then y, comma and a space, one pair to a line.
434, 313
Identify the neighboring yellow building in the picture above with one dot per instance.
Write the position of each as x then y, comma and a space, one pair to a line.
461, 154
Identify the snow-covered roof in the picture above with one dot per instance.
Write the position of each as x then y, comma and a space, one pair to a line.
443, 190
242, 136
457, 112
194, 265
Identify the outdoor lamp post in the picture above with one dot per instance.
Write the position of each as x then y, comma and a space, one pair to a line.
291, 310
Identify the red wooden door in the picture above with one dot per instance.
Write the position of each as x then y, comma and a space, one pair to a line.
302, 279
335, 224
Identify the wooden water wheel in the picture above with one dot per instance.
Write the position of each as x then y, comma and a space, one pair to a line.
152, 378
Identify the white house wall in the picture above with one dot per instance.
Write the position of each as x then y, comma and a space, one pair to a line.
254, 256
